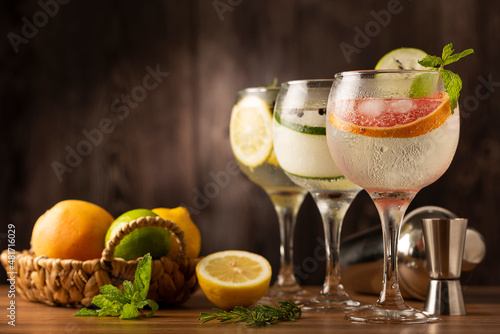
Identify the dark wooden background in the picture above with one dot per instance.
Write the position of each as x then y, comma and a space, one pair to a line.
169, 144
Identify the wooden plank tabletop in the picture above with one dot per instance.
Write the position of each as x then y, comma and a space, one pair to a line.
482, 303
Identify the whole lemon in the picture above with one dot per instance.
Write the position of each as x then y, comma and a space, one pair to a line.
71, 229
180, 216
153, 240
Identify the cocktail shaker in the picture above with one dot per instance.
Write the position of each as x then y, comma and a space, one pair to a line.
362, 256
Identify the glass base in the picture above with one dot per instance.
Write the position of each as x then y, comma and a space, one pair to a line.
277, 294
376, 314
332, 303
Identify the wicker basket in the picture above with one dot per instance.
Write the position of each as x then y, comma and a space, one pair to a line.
72, 283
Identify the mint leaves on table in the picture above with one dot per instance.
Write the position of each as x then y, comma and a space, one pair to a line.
260, 315
452, 81
128, 303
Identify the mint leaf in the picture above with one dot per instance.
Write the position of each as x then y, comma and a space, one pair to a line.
126, 304
447, 51
453, 85
108, 307
129, 312
154, 307
452, 81
430, 61
113, 293
143, 276
130, 292
456, 57
85, 312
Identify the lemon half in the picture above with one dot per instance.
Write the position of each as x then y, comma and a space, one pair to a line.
234, 278
250, 131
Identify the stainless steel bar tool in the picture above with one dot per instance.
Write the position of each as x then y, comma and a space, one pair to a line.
444, 246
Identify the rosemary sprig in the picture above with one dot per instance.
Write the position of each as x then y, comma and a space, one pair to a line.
260, 315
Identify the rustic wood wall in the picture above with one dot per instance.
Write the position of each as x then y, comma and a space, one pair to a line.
84, 68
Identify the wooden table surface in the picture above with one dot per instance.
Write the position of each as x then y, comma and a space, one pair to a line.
482, 303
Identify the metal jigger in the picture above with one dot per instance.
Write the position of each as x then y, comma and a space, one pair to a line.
444, 244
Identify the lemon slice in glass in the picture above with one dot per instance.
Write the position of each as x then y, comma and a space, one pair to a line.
250, 131
402, 59
233, 278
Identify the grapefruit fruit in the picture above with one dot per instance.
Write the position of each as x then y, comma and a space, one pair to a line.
396, 118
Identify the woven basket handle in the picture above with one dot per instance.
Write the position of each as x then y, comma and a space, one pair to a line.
108, 254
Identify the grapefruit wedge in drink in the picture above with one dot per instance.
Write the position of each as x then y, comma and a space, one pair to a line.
399, 143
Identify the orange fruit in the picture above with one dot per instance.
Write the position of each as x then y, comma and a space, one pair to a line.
71, 229
180, 216
395, 118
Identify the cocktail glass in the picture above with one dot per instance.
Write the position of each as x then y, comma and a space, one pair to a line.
300, 143
251, 141
392, 133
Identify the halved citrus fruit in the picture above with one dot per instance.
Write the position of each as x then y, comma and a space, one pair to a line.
233, 278
250, 131
396, 118
402, 59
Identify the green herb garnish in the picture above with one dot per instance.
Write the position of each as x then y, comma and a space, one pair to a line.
452, 81
126, 304
274, 84
260, 315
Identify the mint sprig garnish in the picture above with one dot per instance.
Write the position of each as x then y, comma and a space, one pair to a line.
452, 81
126, 304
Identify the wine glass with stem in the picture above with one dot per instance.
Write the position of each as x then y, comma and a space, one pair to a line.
392, 139
251, 141
300, 144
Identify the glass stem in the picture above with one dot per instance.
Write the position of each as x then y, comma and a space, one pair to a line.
333, 207
391, 208
287, 206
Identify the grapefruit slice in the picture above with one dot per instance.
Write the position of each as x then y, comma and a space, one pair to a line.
395, 118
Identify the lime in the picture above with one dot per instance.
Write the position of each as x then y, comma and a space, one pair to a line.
402, 59
250, 131
153, 240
